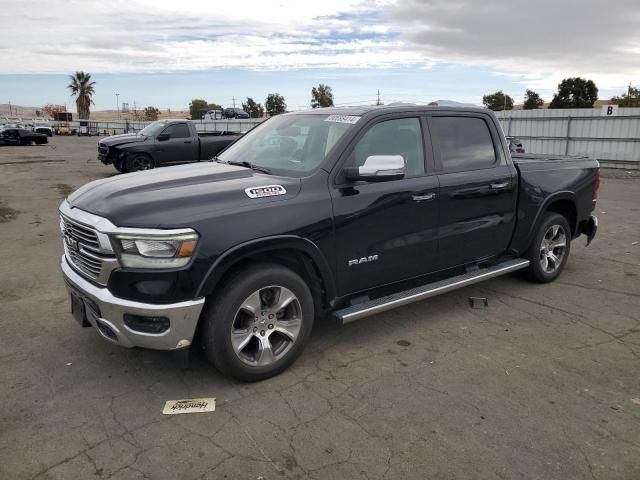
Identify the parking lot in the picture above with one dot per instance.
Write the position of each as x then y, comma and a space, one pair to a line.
543, 383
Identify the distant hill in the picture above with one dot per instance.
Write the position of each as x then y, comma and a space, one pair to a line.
17, 110
30, 112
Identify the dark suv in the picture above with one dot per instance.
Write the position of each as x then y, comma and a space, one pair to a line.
234, 113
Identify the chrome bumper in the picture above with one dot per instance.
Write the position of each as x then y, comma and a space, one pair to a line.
183, 316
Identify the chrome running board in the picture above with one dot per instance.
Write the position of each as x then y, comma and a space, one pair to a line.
382, 304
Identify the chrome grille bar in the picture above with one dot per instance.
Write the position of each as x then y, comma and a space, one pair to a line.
84, 250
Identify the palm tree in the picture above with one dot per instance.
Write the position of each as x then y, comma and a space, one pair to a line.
81, 87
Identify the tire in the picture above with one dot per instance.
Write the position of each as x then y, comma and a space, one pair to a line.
138, 162
260, 289
550, 249
120, 165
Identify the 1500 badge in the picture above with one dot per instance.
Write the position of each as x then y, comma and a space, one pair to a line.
266, 191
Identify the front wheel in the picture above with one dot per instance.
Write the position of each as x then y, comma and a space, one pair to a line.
120, 165
549, 251
139, 161
258, 323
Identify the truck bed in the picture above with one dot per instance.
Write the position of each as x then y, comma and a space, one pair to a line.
221, 133
211, 143
549, 178
520, 158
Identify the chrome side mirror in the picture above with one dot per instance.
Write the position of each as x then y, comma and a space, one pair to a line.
378, 168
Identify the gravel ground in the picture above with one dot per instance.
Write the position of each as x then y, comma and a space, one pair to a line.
544, 383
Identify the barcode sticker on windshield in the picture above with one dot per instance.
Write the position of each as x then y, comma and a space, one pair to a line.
342, 118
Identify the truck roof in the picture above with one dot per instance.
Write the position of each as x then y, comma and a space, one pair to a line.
391, 108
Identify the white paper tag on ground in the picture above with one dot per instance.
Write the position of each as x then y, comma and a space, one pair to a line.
193, 405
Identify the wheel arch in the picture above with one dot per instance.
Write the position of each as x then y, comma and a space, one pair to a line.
563, 203
300, 254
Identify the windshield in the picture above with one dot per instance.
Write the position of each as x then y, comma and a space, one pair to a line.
289, 144
154, 129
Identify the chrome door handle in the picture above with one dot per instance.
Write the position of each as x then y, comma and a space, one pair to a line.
423, 198
499, 186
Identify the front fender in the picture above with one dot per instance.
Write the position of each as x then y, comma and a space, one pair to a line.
264, 245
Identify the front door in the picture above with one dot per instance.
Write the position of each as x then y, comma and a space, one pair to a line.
478, 189
180, 147
386, 231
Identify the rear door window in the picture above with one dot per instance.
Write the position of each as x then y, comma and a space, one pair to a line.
462, 143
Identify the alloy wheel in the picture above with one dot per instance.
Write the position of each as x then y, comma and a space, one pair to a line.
552, 248
266, 325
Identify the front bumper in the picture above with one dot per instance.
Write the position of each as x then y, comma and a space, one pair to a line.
103, 154
106, 313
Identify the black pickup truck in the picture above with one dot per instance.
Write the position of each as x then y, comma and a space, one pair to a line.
165, 142
21, 136
342, 212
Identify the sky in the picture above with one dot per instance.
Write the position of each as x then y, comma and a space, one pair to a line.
165, 53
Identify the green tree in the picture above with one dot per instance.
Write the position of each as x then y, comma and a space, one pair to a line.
197, 108
575, 92
498, 101
275, 104
629, 99
253, 108
532, 100
151, 114
321, 96
81, 87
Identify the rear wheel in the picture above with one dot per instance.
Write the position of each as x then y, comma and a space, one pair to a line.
549, 251
139, 161
258, 323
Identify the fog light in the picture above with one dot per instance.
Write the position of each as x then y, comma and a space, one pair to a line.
146, 324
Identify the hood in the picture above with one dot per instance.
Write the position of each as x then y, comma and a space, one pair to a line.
175, 197
123, 139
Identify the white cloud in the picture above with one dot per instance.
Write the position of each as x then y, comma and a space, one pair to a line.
547, 40
162, 36
533, 43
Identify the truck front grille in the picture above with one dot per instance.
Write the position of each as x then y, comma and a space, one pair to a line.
82, 249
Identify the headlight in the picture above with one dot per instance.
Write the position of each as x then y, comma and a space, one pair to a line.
155, 251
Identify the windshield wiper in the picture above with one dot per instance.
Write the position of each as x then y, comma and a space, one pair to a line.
255, 168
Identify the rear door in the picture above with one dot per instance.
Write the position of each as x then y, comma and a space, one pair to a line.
387, 231
478, 188
180, 147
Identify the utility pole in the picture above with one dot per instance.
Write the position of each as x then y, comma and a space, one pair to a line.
378, 101
135, 111
234, 101
118, 104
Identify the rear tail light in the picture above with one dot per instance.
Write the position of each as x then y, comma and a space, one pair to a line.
596, 186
